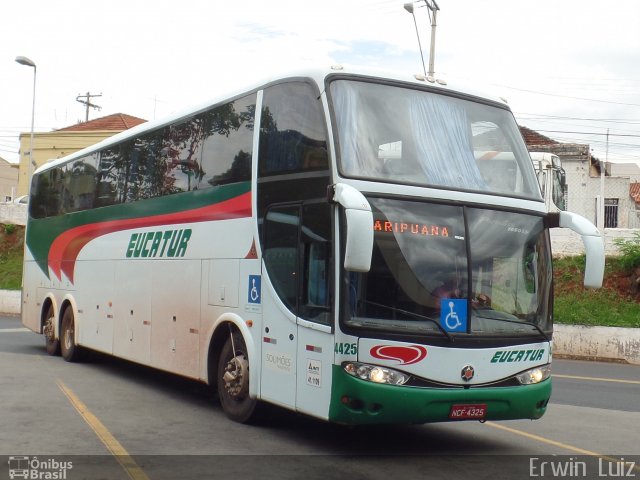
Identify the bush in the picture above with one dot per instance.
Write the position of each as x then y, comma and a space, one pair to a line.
9, 228
630, 252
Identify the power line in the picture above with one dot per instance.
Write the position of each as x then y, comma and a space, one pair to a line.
591, 133
568, 96
559, 117
594, 141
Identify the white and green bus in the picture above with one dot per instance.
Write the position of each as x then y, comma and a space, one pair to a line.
334, 242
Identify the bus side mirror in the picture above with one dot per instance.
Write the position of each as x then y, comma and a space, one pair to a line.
563, 177
592, 240
359, 222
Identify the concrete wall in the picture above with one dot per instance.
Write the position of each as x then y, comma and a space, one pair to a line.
13, 213
10, 301
597, 343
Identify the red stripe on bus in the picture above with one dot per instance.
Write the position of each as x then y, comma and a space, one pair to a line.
66, 247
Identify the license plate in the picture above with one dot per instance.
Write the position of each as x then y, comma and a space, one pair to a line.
464, 412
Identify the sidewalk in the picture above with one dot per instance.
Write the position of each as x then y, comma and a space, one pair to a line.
575, 341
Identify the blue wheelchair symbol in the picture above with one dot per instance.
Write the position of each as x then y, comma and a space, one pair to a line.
453, 314
255, 289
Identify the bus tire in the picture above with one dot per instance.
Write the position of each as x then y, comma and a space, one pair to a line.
233, 381
52, 344
70, 351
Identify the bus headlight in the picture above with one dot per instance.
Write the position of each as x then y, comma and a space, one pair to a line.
375, 373
535, 375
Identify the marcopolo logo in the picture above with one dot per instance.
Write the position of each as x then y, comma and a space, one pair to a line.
510, 356
38, 469
404, 355
279, 361
162, 244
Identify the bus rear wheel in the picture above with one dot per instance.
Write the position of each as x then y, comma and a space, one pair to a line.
70, 350
233, 381
52, 344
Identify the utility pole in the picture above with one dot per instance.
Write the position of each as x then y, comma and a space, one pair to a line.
600, 215
88, 103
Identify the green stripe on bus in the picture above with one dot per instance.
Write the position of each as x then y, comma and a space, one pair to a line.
355, 401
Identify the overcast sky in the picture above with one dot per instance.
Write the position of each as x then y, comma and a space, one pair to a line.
570, 69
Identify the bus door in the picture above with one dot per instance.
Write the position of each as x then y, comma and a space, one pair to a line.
279, 302
297, 339
315, 315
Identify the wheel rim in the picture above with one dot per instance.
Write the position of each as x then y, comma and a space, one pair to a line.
48, 329
236, 378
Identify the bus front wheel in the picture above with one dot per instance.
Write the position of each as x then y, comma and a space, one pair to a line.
233, 380
70, 351
52, 344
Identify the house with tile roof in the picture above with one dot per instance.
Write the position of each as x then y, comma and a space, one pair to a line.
634, 193
584, 188
49, 146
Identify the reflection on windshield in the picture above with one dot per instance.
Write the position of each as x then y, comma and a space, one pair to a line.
410, 136
453, 268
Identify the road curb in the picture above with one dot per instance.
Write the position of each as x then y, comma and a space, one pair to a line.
10, 301
575, 341
597, 343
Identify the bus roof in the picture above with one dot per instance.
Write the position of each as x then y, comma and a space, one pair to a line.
319, 75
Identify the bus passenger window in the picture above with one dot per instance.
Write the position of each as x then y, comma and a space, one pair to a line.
292, 130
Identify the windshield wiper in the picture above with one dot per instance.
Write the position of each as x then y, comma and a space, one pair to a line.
517, 322
412, 314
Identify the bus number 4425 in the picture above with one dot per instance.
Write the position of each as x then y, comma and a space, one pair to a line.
346, 348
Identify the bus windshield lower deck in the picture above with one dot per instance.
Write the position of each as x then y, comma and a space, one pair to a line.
447, 269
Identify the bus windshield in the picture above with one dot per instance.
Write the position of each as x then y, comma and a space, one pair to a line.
402, 135
429, 257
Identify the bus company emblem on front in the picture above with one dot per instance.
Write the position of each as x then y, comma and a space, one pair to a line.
467, 373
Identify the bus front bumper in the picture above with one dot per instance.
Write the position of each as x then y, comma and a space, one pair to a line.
355, 401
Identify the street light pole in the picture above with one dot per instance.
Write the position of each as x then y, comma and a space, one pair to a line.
433, 9
30, 63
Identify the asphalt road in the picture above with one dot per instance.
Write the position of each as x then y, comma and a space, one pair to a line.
111, 419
